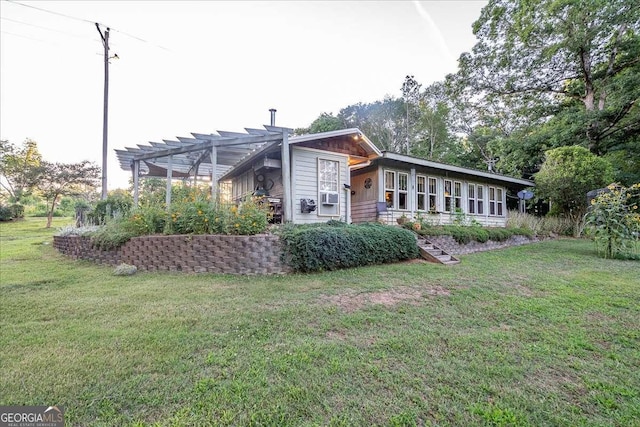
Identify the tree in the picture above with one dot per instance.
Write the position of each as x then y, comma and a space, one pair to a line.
566, 176
326, 122
19, 168
581, 59
66, 179
411, 96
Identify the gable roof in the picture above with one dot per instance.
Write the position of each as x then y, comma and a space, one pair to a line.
354, 143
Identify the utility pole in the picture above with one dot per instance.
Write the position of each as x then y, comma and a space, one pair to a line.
105, 114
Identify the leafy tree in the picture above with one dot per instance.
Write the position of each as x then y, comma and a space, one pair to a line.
566, 176
382, 121
411, 97
326, 123
65, 179
19, 168
547, 51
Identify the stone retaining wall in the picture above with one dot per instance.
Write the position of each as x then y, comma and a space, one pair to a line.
449, 245
259, 254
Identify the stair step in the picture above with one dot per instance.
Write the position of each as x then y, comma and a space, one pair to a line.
444, 258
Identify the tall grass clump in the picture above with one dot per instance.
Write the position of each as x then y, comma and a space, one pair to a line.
540, 225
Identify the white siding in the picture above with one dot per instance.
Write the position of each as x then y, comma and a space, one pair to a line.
304, 177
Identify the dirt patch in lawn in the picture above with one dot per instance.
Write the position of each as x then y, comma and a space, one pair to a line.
352, 301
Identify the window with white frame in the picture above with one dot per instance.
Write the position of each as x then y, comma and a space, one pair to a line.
447, 195
403, 191
390, 188
499, 202
433, 195
396, 190
457, 195
492, 201
480, 198
471, 194
328, 173
421, 192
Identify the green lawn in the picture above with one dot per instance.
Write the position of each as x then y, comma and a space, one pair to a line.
543, 334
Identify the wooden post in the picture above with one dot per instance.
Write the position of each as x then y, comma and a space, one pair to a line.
214, 174
169, 176
286, 178
136, 182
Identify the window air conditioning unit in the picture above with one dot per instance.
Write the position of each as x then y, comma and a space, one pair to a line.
329, 198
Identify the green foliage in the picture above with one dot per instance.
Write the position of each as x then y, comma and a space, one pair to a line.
117, 204
465, 234
14, 211
540, 225
20, 169
113, 234
566, 177
614, 221
330, 247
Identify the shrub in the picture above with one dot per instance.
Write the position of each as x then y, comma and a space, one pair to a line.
465, 234
112, 235
117, 204
614, 221
330, 247
5, 213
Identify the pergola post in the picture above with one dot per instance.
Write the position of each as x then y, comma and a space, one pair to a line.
286, 178
136, 181
214, 173
169, 176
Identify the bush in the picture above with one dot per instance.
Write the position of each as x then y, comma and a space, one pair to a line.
540, 226
5, 213
330, 247
465, 234
116, 205
112, 235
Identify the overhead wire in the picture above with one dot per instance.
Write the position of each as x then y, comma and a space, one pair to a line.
41, 27
75, 18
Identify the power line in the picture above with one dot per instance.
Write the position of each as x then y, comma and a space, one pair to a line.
75, 18
43, 28
25, 37
51, 11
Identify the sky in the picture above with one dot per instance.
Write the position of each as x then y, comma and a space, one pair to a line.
203, 66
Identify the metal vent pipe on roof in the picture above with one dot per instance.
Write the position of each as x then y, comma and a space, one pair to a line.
273, 116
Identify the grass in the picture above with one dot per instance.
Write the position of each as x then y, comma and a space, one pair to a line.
542, 334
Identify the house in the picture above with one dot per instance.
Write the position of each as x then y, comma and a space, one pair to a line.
338, 175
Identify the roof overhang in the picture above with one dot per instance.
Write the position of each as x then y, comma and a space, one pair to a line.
445, 168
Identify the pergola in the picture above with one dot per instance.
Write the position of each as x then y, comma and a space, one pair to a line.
208, 156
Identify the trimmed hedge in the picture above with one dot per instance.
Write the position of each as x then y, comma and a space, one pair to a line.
338, 245
465, 234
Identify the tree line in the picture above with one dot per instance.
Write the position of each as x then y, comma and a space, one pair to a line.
542, 75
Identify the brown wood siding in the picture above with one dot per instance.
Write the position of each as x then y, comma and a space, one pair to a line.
364, 211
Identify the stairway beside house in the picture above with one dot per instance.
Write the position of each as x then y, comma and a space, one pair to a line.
432, 253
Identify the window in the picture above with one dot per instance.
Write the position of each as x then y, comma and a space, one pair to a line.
403, 186
396, 190
328, 176
457, 195
421, 192
389, 188
447, 195
471, 194
499, 202
492, 201
480, 198
433, 194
